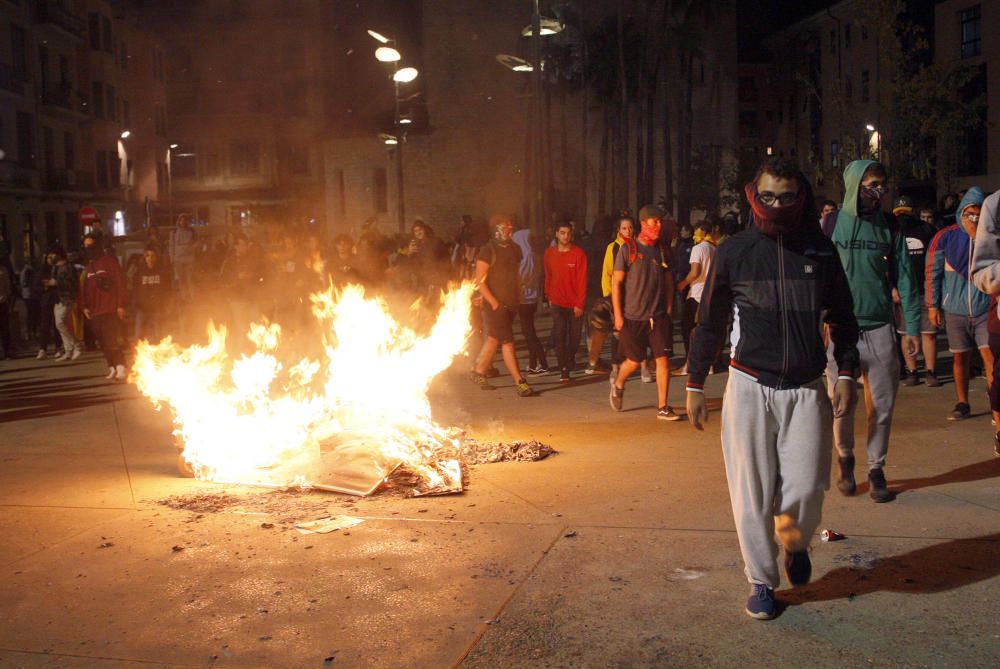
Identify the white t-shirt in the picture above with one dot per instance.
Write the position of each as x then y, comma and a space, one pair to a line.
703, 254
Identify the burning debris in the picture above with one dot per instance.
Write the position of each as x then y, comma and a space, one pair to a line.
475, 452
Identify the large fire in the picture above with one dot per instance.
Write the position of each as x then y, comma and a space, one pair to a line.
267, 418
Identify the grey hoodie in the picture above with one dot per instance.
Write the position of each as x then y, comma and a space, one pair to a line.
986, 254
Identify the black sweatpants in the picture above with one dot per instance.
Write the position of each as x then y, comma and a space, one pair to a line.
526, 317
107, 328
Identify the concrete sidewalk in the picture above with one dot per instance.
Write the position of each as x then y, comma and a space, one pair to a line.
619, 551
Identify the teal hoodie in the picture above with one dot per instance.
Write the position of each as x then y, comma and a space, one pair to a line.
874, 256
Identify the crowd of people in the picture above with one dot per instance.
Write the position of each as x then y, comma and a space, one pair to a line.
801, 301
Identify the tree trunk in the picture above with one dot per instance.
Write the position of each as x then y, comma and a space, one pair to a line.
602, 169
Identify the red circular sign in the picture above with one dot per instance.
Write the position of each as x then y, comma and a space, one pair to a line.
89, 215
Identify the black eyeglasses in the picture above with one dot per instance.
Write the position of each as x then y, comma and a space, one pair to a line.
784, 199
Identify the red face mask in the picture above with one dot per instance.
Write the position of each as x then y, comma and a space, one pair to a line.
775, 220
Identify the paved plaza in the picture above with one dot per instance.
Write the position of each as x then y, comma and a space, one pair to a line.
619, 551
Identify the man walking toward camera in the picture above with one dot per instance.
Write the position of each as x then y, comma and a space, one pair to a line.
780, 281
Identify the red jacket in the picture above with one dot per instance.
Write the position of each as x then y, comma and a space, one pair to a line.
104, 288
566, 276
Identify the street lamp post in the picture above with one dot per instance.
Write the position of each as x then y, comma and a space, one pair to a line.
387, 53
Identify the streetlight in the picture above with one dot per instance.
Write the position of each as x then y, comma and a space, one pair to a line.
870, 128
546, 26
126, 134
405, 75
514, 63
388, 53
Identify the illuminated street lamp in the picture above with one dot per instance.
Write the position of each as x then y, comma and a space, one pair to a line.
546, 26
126, 134
870, 128
379, 37
514, 63
386, 54
387, 139
405, 75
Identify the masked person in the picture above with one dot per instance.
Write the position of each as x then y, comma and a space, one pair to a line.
919, 234
780, 281
954, 301
986, 277
104, 297
875, 260
642, 294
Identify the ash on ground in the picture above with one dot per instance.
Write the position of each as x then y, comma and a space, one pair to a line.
474, 452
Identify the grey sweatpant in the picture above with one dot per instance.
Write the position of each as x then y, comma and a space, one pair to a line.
880, 373
776, 444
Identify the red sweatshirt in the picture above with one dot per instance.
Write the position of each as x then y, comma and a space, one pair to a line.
566, 276
104, 286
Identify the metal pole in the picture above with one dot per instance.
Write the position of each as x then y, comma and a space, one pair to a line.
400, 139
539, 180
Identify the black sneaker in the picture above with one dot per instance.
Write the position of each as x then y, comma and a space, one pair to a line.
666, 413
617, 397
564, 376
846, 483
911, 378
879, 488
931, 379
760, 605
798, 567
537, 370
961, 411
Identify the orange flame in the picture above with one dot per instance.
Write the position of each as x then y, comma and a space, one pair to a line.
255, 420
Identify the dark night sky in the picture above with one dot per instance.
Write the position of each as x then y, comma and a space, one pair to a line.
759, 19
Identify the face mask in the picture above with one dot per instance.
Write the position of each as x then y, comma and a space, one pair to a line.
869, 198
775, 220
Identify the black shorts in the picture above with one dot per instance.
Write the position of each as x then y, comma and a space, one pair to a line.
499, 324
636, 336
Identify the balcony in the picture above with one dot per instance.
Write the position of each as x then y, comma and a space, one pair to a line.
10, 80
69, 180
13, 175
52, 12
62, 96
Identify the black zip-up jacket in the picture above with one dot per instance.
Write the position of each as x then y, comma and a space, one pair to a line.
779, 292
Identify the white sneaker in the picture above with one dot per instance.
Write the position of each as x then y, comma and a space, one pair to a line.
77, 352
111, 373
41, 354
120, 373
646, 374
60, 357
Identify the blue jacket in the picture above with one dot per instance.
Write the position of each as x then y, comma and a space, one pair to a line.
530, 270
949, 264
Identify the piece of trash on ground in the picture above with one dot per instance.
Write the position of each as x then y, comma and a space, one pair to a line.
326, 525
680, 574
831, 535
476, 452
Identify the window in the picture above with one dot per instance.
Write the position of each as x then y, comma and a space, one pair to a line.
97, 93
51, 228
380, 191
747, 89
847, 35
182, 163
212, 165
69, 150
94, 25
244, 158
749, 124
115, 168
833, 41
48, 147
295, 98
972, 42
101, 165
865, 92
25, 140
298, 159
65, 78
106, 40
834, 152
19, 52
848, 89
111, 106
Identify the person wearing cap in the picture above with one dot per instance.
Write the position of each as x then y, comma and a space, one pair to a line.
918, 234
986, 277
875, 260
643, 312
953, 299
779, 282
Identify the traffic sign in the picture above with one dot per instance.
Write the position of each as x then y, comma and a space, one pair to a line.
89, 216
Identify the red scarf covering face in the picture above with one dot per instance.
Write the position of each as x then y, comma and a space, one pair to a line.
648, 238
773, 221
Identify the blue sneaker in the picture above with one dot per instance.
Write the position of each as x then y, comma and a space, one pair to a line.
798, 567
760, 605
